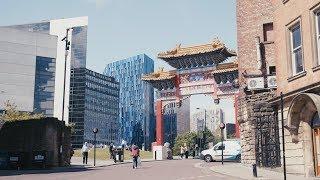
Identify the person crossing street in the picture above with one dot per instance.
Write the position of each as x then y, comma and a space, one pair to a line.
135, 152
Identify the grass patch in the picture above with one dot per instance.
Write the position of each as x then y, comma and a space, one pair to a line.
103, 154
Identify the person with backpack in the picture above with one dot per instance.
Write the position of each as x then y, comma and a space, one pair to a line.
135, 152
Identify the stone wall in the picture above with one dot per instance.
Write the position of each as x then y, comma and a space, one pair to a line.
250, 108
47, 135
294, 151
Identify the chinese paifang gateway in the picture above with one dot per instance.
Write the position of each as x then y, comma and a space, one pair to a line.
200, 69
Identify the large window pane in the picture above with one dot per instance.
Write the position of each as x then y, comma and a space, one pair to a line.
296, 49
296, 37
298, 61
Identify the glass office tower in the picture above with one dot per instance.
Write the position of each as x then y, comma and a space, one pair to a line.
77, 34
94, 103
78, 39
136, 99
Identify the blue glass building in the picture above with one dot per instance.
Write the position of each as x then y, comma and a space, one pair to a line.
136, 99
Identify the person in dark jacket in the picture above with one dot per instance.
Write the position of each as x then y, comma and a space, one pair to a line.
111, 149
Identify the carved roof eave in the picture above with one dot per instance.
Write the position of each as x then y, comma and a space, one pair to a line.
152, 77
226, 67
162, 84
179, 52
219, 71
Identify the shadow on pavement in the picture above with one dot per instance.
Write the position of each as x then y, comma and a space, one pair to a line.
77, 168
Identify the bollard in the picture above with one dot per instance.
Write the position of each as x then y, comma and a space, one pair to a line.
254, 170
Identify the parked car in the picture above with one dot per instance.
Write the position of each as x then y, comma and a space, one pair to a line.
231, 152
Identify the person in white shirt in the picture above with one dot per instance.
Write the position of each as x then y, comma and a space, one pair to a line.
85, 150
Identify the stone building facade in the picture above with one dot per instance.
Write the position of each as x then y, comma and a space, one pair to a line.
298, 63
294, 49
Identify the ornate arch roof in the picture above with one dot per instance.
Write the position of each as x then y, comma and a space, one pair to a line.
215, 45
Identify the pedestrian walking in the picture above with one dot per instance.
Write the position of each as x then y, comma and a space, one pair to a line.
85, 151
135, 152
111, 151
186, 150
182, 151
193, 152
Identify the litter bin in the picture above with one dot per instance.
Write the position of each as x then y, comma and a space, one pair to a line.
15, 160
39, 159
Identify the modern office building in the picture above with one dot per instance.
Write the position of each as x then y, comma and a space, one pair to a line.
183, 117
94, 103
213, 119
76, 56
176, 119
170, 123
27, 70
136, 98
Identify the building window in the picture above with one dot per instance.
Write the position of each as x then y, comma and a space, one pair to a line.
268, 32
317, 23
296, 49
272, 70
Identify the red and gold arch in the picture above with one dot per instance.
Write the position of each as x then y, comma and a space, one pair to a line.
201, 69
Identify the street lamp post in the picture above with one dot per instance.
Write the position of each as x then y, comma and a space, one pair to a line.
67, 48
222, 126
283, 145
95, 131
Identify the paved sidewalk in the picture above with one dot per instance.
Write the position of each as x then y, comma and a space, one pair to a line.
77, 161
245, 172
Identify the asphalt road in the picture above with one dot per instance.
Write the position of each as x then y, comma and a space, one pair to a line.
157, 170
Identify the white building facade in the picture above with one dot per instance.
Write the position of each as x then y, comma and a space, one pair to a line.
76, 56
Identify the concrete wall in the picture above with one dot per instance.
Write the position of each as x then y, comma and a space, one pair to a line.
284, 15
18, 51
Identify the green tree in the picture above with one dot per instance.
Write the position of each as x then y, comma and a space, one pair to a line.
210, 138
189, 138
12, 114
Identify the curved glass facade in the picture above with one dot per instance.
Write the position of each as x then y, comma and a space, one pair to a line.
44, 85
136, 99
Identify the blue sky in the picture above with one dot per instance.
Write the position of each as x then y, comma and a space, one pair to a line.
123, 28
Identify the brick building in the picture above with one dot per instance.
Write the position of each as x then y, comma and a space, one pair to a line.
256, 60
289, 40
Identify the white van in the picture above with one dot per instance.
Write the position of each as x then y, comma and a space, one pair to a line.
231, 152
